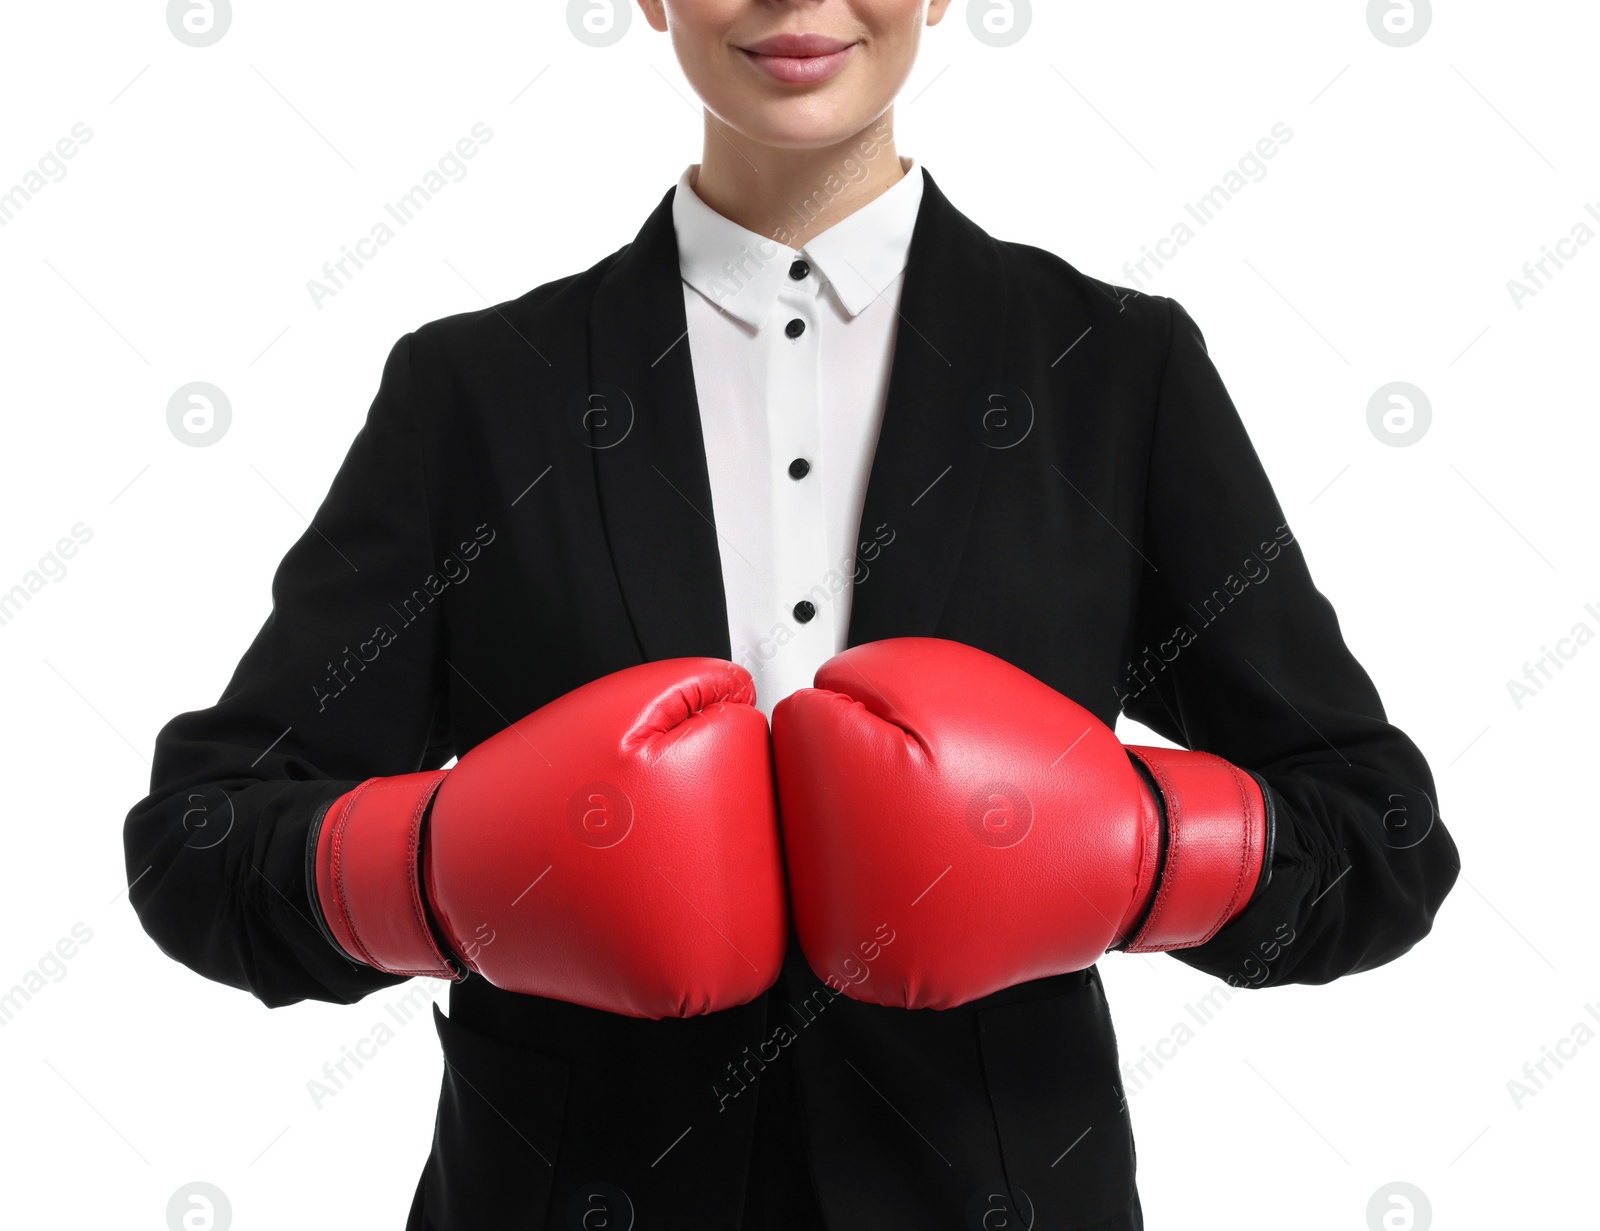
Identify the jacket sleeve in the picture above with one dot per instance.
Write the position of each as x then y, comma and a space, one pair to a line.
341, 683
1238, 654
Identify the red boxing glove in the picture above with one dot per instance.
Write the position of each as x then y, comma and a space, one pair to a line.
953, 827
617, 848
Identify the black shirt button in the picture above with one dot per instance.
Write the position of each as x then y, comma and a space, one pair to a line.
799, 468
799, 270
795, 327
803, 611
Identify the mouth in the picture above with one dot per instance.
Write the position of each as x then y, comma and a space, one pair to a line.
799, 59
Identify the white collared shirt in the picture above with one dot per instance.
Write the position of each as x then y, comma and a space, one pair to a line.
791, 369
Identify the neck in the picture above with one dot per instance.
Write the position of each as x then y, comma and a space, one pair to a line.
790, 195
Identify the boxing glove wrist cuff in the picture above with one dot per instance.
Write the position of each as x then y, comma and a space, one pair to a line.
1214, 849
368, 881
313, 899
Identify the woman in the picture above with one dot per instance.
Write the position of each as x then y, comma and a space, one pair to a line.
588, 538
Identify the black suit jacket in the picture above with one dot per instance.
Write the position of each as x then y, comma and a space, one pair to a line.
1061, 479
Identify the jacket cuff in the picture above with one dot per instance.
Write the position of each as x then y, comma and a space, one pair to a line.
1216, 834
368, 883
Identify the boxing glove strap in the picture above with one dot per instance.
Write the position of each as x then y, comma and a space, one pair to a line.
1214, 851
368, 877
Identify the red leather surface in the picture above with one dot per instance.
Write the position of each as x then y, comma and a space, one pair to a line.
1216, 836
934, 792
618, 847
953, 826
367, 881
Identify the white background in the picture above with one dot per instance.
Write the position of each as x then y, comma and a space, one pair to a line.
1378, 248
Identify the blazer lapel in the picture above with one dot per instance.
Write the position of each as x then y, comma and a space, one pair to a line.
944, 387
649, 457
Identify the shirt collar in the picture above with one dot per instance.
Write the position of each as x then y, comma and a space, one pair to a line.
741, 271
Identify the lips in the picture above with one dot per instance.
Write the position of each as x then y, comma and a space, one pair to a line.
799, 58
